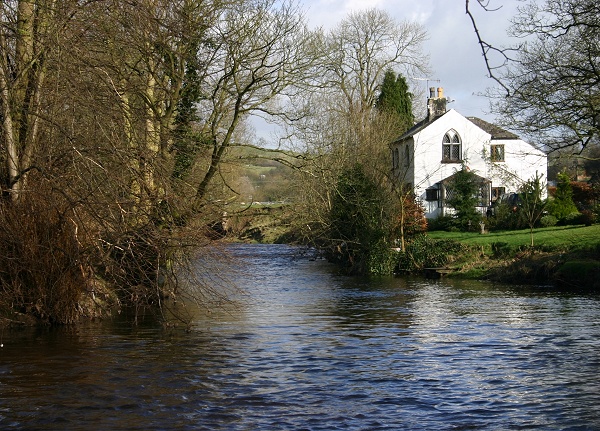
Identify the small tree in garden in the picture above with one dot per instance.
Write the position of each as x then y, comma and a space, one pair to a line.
562, 205
463, 197
532, 203
410, 218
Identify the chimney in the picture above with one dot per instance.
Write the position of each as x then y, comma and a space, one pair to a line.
432, 92
436, 106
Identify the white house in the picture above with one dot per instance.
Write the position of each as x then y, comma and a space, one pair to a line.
426, 157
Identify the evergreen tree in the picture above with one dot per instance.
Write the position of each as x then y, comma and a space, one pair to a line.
562, 205
463, 197
531, 203
395, 99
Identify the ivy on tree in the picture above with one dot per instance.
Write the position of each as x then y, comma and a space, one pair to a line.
358, 237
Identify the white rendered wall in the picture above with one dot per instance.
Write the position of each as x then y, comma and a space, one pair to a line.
521, 160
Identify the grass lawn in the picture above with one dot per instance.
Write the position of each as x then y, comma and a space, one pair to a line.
572, 238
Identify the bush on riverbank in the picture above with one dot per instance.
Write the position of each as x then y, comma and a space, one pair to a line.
42, 272
583, 273
576, 270
426, 252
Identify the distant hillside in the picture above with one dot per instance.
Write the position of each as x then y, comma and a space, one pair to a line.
257, 175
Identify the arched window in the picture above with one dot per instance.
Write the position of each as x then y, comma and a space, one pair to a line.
451, 147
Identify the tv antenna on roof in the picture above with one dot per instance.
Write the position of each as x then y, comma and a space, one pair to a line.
427, 80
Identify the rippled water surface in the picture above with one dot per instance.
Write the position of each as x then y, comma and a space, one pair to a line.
305, 349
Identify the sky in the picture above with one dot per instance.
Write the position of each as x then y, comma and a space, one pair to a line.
456, 60
455, 57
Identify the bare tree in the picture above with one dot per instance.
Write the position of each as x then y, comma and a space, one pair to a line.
363, 47
101, 102
340, 127
550, 85
29, 32
258, 55
489, 51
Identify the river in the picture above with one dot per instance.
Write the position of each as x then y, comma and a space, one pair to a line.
306, 349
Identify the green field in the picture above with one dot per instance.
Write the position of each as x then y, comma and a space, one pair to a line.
572, 238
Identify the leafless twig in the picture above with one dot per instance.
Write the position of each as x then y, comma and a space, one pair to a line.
486, 47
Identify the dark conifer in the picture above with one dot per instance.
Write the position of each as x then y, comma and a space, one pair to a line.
395, 99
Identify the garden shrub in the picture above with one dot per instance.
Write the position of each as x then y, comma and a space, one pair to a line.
562, 206
444, 223
596, 211
548, 221
463, 197
587, 217
573, 218
506, 218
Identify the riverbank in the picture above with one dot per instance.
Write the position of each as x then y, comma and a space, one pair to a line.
563, 256
567, 256
574, 270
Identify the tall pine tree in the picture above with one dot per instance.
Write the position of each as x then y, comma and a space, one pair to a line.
395, 99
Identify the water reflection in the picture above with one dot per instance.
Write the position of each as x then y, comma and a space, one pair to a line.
306, 349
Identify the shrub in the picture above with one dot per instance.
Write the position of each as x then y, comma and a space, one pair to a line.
587, 217
381, 259
501, 249
571, 219
358, 224
42, 270
424, 252
548, 221
583, 274
596, 210
584, 194
562, 206
445, 223
462, 191
506, 218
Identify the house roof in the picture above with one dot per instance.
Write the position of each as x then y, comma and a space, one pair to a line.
492, 129
417, 128
495, 131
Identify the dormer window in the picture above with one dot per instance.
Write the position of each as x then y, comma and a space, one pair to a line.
451, 147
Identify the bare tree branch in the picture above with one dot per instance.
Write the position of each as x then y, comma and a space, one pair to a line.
486, 47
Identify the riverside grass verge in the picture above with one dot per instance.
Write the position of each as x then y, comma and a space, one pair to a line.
566, 256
